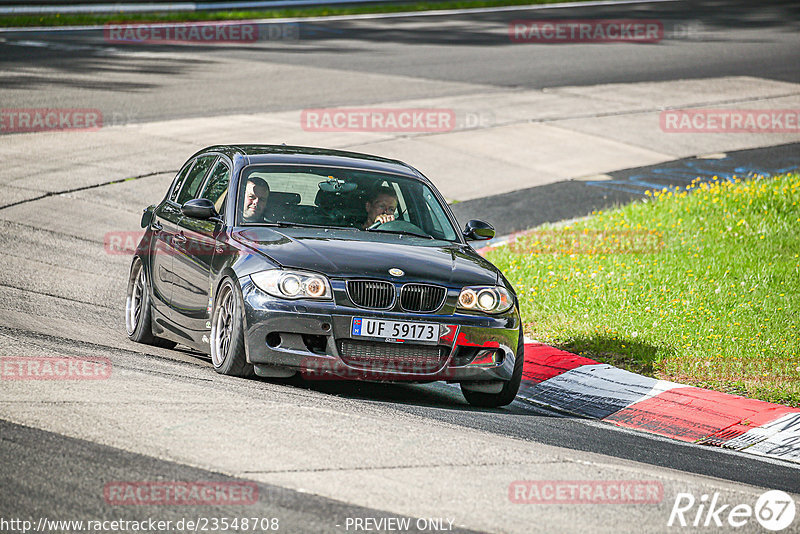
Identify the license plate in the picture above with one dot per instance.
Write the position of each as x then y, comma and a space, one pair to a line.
398, 331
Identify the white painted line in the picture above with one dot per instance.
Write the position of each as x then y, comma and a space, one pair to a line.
168, 8
593, 178
28, 42
370, 16
51, 45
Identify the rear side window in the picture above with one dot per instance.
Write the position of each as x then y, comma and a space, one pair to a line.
195, 177
217, 185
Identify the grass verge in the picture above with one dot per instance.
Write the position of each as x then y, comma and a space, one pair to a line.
699, 286
86, 19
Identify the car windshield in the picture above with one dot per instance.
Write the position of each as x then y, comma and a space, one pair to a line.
333, 197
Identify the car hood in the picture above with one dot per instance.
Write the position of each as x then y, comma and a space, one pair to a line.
356, 254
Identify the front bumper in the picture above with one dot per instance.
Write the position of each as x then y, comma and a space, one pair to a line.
308, 336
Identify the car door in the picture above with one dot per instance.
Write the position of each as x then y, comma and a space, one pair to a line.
164, 227
188, 189
195, 255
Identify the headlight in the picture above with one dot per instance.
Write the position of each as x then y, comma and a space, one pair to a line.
494, 299
292, 284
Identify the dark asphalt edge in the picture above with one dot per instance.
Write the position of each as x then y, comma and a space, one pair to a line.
30, 456
528, 208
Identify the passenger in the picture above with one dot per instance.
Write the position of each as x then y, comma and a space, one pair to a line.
381, 206
256, 195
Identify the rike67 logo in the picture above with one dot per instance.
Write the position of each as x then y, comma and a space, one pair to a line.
774, 510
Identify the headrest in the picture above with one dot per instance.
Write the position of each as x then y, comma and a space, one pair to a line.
327, 199
279, 197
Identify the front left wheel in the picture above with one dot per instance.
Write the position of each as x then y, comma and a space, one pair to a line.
509, 391
138, 311
227, 333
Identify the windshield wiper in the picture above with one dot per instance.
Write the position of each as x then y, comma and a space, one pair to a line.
399, 232
289, 224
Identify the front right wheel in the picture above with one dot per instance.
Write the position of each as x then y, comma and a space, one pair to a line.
227, 333
510, 388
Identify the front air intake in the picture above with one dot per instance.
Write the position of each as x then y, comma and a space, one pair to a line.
380, 357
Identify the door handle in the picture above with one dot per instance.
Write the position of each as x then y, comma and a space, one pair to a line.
156, 227
179, 239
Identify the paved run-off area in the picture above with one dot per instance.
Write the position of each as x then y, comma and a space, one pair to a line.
504, 139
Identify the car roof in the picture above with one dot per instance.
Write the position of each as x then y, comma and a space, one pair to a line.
255, 154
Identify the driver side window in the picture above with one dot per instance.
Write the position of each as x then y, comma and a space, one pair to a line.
173, 195
195, 177
216, 188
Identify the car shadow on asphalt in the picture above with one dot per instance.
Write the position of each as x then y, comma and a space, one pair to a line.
394, 392
436, 395
430, 394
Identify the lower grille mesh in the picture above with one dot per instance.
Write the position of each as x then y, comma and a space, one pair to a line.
392, 357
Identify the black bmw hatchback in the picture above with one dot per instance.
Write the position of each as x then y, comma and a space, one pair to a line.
278, 259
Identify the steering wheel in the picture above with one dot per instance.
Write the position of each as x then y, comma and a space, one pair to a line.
400, 212
400, 226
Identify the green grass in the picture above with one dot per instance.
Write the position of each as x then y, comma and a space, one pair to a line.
79, 19
699, 286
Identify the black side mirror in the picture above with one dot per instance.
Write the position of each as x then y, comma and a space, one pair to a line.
200, 208
476, 230
147, 216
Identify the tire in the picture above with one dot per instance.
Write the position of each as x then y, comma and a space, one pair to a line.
227, 333
138, 313
510, 388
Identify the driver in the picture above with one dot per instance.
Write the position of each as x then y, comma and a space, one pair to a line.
381, 206
256, 194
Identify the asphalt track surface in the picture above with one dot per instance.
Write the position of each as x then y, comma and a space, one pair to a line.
51, 472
